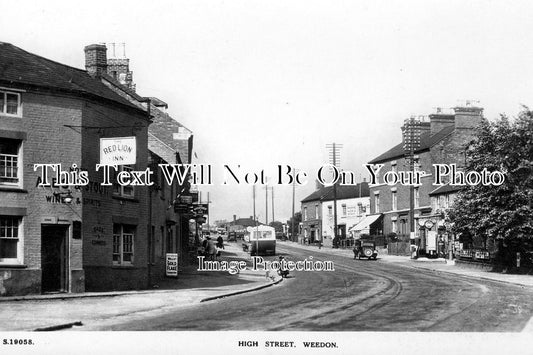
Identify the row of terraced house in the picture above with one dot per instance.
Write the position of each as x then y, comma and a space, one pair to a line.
383, 209
90, 237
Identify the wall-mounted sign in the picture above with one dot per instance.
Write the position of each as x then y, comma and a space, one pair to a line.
172, 265
428, 224
48, 220
118, 151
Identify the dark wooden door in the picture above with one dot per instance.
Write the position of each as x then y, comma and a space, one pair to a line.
54, 258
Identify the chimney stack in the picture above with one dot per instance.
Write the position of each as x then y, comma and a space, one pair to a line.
96, 59
468, 116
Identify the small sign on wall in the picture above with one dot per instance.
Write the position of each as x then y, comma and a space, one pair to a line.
172, 265
118, 151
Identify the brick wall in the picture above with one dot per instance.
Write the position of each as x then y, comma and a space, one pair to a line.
48, 140
52, 124
102, 208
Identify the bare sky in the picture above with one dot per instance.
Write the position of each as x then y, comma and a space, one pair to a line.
262, 83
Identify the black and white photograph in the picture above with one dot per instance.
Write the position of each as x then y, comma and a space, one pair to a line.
255, 177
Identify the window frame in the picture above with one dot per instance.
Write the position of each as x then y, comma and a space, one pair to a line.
19, 259
19, 166
118, 189
119, 249
3, 107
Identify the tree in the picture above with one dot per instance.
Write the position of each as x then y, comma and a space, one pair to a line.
297, 220
499, 213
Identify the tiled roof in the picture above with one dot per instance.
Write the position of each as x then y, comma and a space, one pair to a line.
343, 192
246, 222
23, 69
427, 140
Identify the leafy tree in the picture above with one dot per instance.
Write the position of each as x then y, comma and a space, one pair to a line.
504, 214
297, 220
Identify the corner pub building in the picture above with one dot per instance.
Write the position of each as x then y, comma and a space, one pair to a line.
66, 239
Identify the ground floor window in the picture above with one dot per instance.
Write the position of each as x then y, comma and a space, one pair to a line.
10, 239
123, 237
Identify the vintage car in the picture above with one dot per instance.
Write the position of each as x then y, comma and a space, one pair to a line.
365, 249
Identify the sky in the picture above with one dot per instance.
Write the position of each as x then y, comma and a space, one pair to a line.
268, 83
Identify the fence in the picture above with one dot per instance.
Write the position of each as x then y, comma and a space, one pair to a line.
400, 245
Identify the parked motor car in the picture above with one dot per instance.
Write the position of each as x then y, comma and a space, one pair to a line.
367, 249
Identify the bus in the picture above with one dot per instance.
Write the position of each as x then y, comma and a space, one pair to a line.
260, 240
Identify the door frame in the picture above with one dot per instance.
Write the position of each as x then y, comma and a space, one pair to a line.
65, 264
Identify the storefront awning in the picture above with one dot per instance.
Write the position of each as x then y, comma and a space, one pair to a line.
365, 223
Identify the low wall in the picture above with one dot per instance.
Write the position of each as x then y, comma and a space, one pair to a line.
473, 265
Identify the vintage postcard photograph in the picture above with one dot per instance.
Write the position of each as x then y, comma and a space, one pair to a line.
230, 176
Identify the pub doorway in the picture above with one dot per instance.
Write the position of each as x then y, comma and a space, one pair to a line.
54, 258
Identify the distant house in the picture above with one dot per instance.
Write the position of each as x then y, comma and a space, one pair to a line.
318, 212
239, 225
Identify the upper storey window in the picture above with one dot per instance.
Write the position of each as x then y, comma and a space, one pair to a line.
10, 103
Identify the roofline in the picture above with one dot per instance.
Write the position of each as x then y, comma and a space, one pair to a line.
162, 142
374, 161
395, 157
80, 93
47, 59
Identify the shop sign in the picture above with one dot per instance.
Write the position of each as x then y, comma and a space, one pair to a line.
431, 241
118, 151
172, 264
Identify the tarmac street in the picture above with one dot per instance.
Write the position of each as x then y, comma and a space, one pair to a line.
390, 294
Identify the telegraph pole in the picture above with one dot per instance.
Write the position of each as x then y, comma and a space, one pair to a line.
273, 219
334, 159
266, 205
411, 138
253, 196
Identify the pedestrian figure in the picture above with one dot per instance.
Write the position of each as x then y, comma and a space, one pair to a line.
220, 242
211, 250
356, 249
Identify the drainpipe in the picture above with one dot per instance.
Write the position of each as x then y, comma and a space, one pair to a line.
150, 234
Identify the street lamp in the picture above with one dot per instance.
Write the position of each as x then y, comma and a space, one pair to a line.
66, 197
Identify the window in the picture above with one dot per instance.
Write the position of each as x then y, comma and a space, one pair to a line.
10, 103
317, 215
305, 213
394, 201
344, 210
123, 244
10, 162
417, 197
394, 226
361, 208
10, 239
127, 190
376, 203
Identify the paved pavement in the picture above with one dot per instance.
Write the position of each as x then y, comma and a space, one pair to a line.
59, 311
